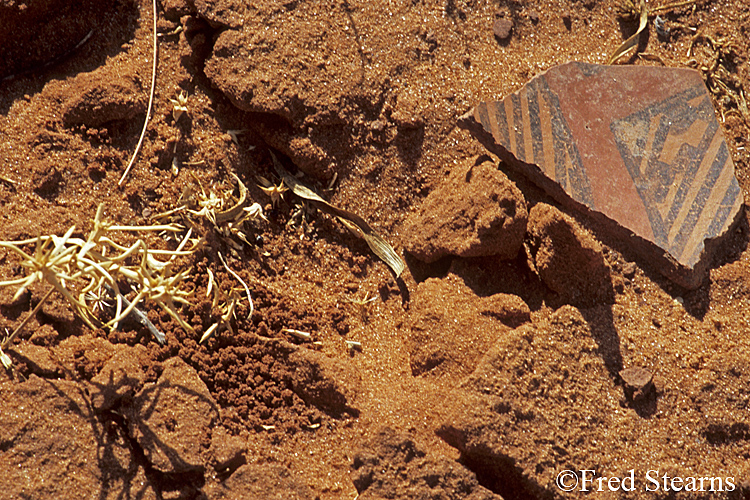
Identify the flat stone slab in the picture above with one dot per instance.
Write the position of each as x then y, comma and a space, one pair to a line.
638, 145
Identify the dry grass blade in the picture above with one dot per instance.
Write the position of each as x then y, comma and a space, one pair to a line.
670, 6
631, 42
234, 212
244, 285
353, 222
150, 105
298, 333
5, 359
230, 224
226, 303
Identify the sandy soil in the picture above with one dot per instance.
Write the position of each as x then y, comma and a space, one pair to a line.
477, 377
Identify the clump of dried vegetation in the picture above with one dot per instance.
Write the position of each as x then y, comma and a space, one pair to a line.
95, 274
89, 272
100, 273
231, 220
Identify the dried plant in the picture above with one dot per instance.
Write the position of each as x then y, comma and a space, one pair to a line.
353, 222
628, 9
275, 192
85, 271
227, 303
179, 105
230, 218
362, 304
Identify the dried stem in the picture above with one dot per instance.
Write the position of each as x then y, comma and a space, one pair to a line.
150, 104
10, 338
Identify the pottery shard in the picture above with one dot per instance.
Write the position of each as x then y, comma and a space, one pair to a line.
170, 418
567, 258
637, 148
476, 212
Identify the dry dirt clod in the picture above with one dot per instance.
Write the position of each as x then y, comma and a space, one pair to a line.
392, 463
169, 418
502, 28
567, 258
101, 96
260, 481
476, 212
638, 382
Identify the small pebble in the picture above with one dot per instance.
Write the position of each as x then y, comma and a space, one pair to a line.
502, 28
638, 381
636, 377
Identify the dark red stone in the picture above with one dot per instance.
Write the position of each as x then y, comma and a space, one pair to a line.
638, 145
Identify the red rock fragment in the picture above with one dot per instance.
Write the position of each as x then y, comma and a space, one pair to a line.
502, 28
393, 465
638, 382
169, 417
567, 258
451, 327
638, 148
256, 481
101, 96
476, 212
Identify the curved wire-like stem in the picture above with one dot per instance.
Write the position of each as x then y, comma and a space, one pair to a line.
10, 338
150, 104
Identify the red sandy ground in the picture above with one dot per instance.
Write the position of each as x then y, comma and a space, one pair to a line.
446, 393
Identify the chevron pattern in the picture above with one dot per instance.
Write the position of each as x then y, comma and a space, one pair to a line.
639, 144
